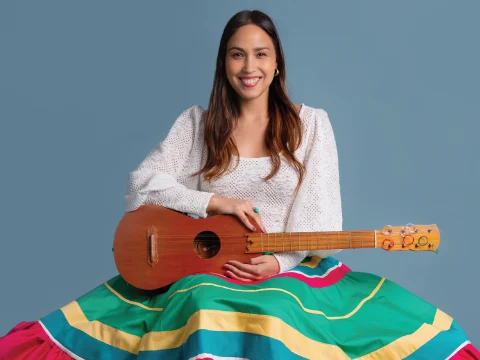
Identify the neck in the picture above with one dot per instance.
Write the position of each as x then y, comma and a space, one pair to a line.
254, 110
320, 240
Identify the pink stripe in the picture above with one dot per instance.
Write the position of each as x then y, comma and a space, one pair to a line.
28, 340
315, 282
467, 352
330, 279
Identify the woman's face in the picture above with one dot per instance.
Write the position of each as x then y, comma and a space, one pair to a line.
250, 61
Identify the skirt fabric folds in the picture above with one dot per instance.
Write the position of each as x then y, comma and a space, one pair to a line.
318, 310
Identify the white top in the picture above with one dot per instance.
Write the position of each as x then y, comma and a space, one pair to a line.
163, 179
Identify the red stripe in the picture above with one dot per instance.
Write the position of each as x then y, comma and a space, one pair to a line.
467, 352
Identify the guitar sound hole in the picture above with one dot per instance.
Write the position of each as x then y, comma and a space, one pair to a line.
206, 244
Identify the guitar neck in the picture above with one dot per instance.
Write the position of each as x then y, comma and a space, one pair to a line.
320, 240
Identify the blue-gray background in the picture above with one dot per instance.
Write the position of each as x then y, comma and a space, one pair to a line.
87, 89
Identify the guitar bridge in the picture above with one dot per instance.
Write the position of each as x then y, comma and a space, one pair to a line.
152, 246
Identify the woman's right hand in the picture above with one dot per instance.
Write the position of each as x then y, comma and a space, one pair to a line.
240, 208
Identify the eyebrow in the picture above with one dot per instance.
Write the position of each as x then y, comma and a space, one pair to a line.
256, 49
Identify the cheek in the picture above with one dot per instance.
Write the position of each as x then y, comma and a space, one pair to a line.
232, 67
270, 67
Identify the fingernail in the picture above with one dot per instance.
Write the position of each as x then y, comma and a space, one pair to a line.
254, 228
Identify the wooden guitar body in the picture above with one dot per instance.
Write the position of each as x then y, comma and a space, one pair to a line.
183, 245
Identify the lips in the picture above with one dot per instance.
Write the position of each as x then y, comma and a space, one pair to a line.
250, 81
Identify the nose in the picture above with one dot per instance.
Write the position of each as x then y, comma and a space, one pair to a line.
249, 64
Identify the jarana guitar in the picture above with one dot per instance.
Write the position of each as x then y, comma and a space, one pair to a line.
155, 246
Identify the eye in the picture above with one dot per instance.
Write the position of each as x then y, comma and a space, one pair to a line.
235, 54
262, 54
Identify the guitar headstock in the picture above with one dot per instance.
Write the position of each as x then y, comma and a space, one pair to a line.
408, 237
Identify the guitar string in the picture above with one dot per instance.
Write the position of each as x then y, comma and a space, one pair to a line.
266, 235
302, 242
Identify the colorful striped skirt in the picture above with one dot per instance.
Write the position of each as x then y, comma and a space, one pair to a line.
318, 310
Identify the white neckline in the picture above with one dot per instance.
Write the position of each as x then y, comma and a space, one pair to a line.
265, 157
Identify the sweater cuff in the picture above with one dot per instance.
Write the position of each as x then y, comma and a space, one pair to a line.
289, 260
204, 199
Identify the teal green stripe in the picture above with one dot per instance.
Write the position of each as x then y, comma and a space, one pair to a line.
442, 345
333, 301
392, 313
222, 344
80, 343
228, 344
233, 344
324, 266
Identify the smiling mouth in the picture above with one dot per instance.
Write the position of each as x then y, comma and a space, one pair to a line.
250, 82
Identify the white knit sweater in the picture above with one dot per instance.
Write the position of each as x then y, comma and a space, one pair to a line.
163, 179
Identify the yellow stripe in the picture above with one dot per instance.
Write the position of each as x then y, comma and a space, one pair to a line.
310, 311
214, 320
264, 325
313, 263
98, 330
408, 344
129, 301
269, 326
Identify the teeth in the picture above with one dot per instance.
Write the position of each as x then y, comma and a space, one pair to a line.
250, 81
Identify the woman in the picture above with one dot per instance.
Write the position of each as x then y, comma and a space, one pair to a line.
252, 153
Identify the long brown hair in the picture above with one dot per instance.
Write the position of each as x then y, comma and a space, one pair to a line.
284, 131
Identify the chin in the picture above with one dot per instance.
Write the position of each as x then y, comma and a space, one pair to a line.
249, 95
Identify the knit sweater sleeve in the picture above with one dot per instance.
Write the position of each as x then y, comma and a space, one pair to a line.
163, 177
317, 206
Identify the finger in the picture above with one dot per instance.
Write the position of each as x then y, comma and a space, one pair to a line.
247, 268
240, 273
259, 221
244, 219
255, 216
248, 207
257, 260
233, 276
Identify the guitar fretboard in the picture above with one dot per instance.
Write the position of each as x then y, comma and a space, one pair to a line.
297, 241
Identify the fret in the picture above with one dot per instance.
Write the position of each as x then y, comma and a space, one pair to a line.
320, 240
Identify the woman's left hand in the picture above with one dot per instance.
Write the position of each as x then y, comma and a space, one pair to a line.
255, 269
